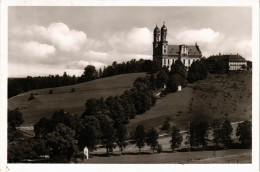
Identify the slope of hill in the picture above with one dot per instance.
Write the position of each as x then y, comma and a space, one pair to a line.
45, 104
215, 97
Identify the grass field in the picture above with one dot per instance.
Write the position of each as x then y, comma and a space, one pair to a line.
222, 156
214, 97
45, 104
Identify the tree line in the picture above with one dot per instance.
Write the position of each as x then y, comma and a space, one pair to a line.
20, 85
64, 136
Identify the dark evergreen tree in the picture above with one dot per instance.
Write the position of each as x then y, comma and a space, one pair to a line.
244, 133
176, 138
152, 139
121, 137
216, 127
226, 131
162, 79
139, 137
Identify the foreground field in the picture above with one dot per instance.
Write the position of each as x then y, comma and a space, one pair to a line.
215, 97
45, 104
221, 156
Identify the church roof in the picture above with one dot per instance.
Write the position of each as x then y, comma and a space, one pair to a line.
175, 50
231, 58
194, 50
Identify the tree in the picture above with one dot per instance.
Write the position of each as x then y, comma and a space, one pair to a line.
152, 138
249, 65
129, 108
31, 97
61, 141
139, 136
89, 133
202, 133
58, 116
178, 68
108, 132
115, 111
20, 150
92, 108
197, 71
90, 73
176, 138
220, 67
216, 127
161, 79
174, 81
43, 127
121, 137
15, 118
243, 67
244, 132
198, 133
226, 131
166, 125
152, 82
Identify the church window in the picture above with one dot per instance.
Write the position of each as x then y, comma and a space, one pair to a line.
168, 61
189, 62
164, 51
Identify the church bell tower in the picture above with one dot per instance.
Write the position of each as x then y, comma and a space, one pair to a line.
156, 41
164, 42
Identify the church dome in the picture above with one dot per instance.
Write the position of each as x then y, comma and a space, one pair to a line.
163, 28
156, 29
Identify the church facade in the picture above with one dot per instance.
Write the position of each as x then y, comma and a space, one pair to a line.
165, 54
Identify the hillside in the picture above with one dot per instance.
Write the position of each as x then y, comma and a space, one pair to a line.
214, 97
45, 104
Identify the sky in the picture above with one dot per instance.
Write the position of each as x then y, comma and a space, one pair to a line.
52, 40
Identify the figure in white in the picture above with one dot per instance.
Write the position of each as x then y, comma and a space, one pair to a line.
86, 152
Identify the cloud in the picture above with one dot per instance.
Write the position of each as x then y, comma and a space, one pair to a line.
82, 64
204, 35
58, 34
213, 42
31, 51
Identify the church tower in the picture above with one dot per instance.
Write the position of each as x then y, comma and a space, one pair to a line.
164, 42
156, 41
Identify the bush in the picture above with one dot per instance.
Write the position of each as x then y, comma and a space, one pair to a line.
31, 97
159, 148
166, 125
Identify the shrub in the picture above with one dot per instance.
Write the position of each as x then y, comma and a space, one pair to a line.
159, 148
166, 125
31, 97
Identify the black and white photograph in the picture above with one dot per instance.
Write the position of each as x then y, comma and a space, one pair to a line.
132, 84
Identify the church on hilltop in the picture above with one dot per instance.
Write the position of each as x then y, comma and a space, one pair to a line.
165, 54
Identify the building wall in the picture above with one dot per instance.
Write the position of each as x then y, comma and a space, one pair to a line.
168, 61
237, 65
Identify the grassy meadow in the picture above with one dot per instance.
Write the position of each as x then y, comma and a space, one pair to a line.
45, 104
